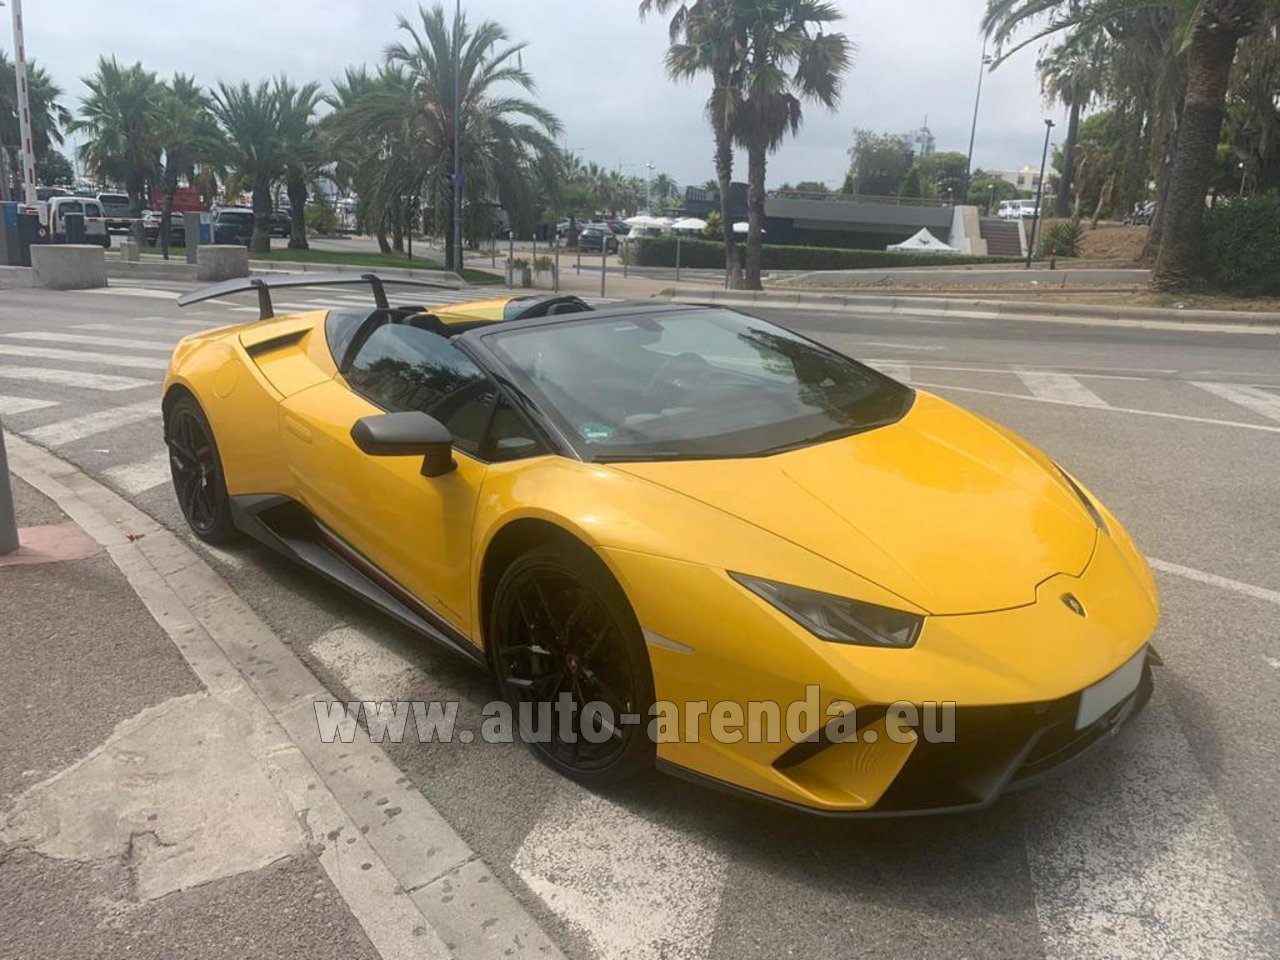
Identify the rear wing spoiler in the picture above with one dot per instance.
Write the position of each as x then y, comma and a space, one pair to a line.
264, 286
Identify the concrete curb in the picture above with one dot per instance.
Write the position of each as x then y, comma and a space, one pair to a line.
971, 309
414, 885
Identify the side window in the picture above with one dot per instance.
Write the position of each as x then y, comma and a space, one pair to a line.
400, 367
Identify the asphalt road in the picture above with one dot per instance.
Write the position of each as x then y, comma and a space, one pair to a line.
1167, 845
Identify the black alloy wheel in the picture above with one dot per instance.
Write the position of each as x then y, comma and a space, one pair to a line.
197, 473
561, 627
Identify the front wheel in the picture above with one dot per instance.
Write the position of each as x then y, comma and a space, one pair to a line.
570, 659
197, 473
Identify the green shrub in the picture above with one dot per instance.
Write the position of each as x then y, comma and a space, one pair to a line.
320, 219
703, 254
712, 230
1244, 245
1062, 238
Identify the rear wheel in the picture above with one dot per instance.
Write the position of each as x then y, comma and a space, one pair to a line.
569, 657
197, 473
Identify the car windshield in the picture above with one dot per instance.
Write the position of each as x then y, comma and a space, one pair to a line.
694, 384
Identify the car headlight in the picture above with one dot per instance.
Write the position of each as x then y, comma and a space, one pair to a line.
1084, 499
838, 619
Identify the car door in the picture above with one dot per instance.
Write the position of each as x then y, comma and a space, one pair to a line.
416, 530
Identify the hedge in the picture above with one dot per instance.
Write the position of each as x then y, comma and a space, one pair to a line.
1244, 245
707, 254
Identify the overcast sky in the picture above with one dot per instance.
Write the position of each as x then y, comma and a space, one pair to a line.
598, 68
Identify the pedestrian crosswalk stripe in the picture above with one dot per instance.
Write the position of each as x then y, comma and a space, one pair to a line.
1060, 388
1251, 398
72, 378
128, 291
586, 855
54, 336
140, 476
23, 404
899, 371
183, 328
77, 428
1136, 857
86, 356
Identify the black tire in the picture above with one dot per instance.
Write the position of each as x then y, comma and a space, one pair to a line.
557, 609
196, 468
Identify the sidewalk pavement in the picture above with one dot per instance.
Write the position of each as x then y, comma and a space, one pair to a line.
164, 791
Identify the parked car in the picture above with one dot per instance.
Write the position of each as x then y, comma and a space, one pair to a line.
1017, 209
118, 209
233, 225
593, 236
177, 228
281, 224
95, 223
619, 227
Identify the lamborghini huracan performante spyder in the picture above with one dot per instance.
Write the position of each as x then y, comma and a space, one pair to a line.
644, 505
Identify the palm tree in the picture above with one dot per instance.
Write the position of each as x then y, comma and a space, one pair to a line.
250, 119
119, 116
303, 156
1069, 74
787, 58
705, 39
508, 148
1209, 33
186, 136
48, 115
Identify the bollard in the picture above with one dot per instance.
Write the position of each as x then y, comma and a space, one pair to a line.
577, 267
555, 270
626, 250
8, 519
677, 258
604, 259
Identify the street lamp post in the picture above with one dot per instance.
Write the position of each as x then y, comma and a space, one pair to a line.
973, 131
1035, 222
457, 137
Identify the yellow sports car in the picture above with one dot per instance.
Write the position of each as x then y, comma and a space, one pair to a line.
702, 541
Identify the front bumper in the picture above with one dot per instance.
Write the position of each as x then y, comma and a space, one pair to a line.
998, 750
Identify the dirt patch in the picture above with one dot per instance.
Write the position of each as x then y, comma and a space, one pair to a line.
1113, 241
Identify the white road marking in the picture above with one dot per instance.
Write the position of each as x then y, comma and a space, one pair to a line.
23, 404
1213, 580
77, 428
142, 475
1251, 398
1141, 413
1134, 857
1059, 386
127, 291
370, 670
243, 309
637, 889
187, 327
892, 368
896, 346
92, 341
86, 356
72, 378
1273, 662
948, 368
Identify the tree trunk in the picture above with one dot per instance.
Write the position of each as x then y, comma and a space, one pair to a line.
297, 190
134, 186
1107, 190
397, 231
757, 160
724, 175
1062, 206
383, 245
260, 242
1181, 260
166, 212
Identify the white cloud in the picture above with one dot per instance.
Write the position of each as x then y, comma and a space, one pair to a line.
598, 67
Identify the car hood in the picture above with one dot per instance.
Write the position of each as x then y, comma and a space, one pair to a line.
939, 508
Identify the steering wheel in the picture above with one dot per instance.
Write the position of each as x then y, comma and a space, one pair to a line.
675, 372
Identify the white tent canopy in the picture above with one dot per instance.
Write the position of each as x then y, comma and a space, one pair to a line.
922, 242
742, 227
689, 223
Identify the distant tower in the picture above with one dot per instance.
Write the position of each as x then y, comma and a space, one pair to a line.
926, 142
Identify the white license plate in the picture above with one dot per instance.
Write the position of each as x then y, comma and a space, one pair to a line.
1095, 701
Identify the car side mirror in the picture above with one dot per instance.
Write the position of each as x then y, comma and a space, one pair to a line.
407, 434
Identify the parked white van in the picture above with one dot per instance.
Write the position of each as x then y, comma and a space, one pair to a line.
1017, 209
95, 221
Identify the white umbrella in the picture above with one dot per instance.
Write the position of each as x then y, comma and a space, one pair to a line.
644, 222
742, 227
689, 223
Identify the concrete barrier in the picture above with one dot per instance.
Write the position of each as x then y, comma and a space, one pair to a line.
129, 251
68, 266
223, 261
